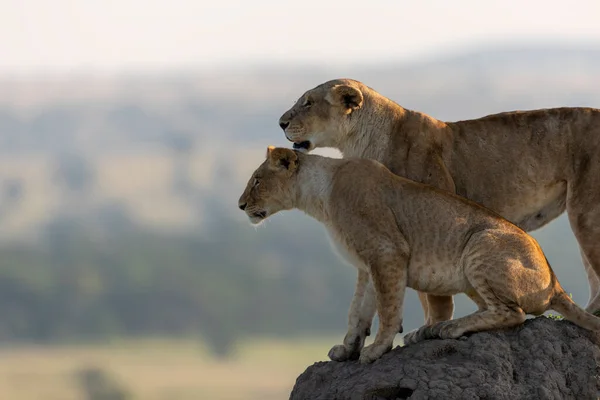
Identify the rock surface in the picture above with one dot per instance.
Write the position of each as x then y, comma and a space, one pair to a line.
541, 359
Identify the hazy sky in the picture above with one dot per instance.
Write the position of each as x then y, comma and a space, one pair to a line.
63, 35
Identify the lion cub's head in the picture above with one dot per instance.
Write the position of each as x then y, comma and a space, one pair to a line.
271, 187
321, 116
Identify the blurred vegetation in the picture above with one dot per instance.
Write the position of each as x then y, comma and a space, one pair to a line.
98, 384
76, 287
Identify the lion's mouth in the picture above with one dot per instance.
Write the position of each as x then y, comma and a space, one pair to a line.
257, 217
305, 145
259, 214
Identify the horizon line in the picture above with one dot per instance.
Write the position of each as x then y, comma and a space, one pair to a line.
255, 64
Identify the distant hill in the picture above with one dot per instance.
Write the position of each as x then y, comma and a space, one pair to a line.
154, 143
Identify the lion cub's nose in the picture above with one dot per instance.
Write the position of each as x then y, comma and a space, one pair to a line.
242, 206
284, 124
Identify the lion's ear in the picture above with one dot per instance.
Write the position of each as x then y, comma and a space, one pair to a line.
348, 97
280, 157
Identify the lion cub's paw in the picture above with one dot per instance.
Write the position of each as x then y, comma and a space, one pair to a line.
449, 330
411, 337
373, 352
353, 343
418, 335
339, 352
427, 332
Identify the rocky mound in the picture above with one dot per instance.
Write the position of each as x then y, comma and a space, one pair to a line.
541, 359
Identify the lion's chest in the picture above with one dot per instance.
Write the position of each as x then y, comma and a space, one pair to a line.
341, 247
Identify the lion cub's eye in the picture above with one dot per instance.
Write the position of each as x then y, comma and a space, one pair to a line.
307, 104
256, 182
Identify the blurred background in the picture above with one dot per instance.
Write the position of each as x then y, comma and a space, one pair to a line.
128, 130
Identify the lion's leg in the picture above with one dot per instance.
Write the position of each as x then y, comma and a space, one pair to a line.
425, 306
584, 217
354, 340
496, 301
369, 307
473, 295
389, 276
436, 308
491, 318
593, 279
441, 308
360, 317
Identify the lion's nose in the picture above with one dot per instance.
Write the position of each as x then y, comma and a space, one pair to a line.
242, 206
284, 124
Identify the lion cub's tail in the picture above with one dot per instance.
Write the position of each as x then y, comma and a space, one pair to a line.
562, 303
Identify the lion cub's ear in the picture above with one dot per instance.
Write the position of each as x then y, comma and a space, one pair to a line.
349, 97
280, 157
269, 150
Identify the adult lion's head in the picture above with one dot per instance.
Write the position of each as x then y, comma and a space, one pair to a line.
323, 115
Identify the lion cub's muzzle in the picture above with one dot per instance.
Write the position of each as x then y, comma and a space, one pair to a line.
259, 214
255, 216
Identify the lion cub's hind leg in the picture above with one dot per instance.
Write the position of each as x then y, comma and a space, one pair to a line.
497, 304
496, 315
473, 295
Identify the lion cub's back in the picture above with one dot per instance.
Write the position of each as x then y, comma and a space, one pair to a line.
367, 187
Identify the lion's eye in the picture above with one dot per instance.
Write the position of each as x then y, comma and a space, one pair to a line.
256, 182
307, 104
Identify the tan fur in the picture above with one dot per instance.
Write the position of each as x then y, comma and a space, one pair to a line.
528, 166
400, 233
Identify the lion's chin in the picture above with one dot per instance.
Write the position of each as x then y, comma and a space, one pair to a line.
256, 220
303, 147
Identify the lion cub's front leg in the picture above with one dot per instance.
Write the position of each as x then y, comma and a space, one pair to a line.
389, 275
360, 317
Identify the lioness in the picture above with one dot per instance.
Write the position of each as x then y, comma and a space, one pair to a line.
528, 166
401, 233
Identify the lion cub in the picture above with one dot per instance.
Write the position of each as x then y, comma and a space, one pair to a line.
401, 233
